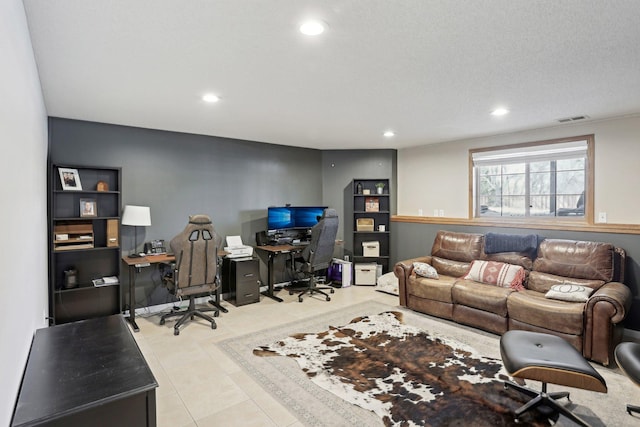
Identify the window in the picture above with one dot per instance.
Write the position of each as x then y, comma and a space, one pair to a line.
544, 179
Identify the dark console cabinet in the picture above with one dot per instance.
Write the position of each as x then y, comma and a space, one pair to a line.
241, 280
86, 373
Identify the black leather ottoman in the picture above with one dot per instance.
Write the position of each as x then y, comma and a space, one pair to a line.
628, 359
548, 359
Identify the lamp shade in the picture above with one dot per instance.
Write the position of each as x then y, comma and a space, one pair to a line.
136, 215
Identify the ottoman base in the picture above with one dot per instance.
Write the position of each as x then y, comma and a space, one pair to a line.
548, 359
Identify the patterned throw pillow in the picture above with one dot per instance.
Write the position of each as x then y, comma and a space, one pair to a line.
497, 273
571, 293
425, 270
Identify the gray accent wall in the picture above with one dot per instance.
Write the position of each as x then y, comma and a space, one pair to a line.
410, 240
340, 167
233, 181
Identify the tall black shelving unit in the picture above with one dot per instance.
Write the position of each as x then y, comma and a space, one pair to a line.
84, 248
381, 217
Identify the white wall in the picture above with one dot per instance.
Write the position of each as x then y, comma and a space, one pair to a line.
23, 228
437, 176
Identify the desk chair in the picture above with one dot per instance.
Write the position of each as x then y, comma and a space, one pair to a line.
196, 271
318, 254
627, 356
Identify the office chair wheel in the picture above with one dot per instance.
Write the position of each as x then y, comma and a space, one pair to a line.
333, 291
328, 298
216, 314
299, 299
290, 292
213, 325
176, 331
162, 321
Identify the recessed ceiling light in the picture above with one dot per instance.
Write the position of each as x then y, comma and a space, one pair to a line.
210, 98
389, 133
499, 112
312, 27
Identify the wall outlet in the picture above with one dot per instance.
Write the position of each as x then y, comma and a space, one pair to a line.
435, 212
602, 217
419, 212
441, 212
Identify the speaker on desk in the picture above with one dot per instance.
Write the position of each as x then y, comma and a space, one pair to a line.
261, 238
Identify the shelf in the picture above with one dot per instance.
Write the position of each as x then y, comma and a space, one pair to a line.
90, 245
86, 192
381, 216
372, 212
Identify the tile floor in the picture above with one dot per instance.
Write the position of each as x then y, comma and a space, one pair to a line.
200, 386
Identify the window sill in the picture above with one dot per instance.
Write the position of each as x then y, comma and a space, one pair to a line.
558, 224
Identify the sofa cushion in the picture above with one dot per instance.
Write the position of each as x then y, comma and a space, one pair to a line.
464, 247
496, 273
533, 308
576, 259
433, 289
425, 270
542, 282
448, 267
481, 296
572, 293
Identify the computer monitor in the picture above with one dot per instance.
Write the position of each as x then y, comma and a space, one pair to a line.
291, 217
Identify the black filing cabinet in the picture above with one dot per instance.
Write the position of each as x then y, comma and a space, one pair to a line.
241, 280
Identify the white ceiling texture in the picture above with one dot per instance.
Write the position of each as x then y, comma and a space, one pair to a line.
430, 70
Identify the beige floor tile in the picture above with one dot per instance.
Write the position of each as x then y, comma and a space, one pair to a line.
245, 414
205, 399
200, 385
270, 406
171, 411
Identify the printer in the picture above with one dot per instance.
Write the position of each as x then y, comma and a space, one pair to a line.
235, 248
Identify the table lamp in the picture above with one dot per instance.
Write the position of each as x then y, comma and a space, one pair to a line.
136, 216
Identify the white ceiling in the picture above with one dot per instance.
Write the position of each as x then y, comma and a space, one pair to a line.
430, 70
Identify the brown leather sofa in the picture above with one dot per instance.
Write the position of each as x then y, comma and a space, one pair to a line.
593, 328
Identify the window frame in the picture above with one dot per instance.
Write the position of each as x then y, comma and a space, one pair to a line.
588, 217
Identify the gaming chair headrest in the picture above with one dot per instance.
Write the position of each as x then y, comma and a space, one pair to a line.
329, 213
199, 219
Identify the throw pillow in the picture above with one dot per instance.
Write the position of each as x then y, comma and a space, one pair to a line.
425, 270
497, 273
571, 293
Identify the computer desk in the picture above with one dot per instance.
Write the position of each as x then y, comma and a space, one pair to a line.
272, 253
136, 264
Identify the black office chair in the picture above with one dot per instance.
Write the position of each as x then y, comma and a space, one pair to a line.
196, 270
627, 356
318, 254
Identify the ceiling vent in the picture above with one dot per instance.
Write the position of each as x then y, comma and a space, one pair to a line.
572, 119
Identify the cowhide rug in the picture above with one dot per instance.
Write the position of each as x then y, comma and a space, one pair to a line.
405, 375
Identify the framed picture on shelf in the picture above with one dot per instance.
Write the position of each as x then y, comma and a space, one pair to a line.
88, 208
371, 204
70, 179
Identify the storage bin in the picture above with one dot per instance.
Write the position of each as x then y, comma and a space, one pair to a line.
371, 249
366, 274
364, 224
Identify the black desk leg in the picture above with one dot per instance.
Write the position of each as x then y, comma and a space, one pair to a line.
269, 291
132, 299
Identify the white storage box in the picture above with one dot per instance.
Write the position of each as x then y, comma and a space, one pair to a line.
371, 248
366, 274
